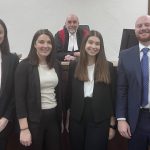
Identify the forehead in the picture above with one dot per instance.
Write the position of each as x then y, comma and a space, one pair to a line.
72, 18
43, 37
94, 38
143, 20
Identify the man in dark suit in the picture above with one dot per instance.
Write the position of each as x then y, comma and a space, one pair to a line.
68, 39
133, 89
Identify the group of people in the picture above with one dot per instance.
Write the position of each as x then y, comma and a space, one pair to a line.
96, 98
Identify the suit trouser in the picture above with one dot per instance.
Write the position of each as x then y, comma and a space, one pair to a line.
140, 140
46, 135
86, 134
4, 136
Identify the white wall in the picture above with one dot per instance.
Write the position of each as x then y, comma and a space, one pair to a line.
24, 17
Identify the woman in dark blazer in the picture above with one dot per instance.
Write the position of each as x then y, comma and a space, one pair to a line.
7, 69
37, 89
90, 96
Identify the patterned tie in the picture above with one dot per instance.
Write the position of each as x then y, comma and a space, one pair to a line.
145, 77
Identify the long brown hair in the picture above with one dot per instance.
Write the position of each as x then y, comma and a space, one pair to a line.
101, 72
33, 57
4, 46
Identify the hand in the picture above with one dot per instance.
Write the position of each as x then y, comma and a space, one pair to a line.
76, 54
69, 57
25, 137
111, 133
3, 123
124, 129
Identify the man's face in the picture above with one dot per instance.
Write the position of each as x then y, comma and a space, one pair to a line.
142, 29
72, 24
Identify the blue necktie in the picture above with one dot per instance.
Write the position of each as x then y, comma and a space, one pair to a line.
145, 77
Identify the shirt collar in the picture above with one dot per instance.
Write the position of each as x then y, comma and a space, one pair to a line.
141, 46
74, 34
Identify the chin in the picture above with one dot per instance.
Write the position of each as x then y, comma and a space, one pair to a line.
44, 55
72, 31
144, 39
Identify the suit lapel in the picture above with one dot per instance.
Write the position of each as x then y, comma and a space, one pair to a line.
137, 63
4, 71
36, 81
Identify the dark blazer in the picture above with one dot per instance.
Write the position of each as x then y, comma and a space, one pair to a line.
103, 96
129, 86
7, 103
62, 48
28, 93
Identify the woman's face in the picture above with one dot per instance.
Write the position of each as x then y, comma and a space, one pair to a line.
92, 46
1, 34
43, 46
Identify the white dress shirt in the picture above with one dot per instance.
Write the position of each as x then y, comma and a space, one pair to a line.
72, 45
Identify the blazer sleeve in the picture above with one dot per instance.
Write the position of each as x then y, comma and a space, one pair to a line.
21, 85
68, 95
113, 76
122, 90
10, 111
60, 51
58, 89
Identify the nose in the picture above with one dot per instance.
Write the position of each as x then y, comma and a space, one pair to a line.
72, 24
45, 44
93, 46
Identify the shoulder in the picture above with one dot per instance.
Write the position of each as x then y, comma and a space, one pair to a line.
24, 64
129, 51
12, 56
61, 32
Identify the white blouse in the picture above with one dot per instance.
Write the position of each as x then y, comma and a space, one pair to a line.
89, 85
48, 82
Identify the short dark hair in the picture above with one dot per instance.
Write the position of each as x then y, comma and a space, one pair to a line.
4, 46
33, 57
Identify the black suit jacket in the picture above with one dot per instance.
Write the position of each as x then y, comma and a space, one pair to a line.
28, 93
62, 48
103, 96
7, 103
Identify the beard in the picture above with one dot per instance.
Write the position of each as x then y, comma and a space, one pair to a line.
142, 38
72, 30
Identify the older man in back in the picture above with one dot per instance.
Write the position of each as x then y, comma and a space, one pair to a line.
68, 40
